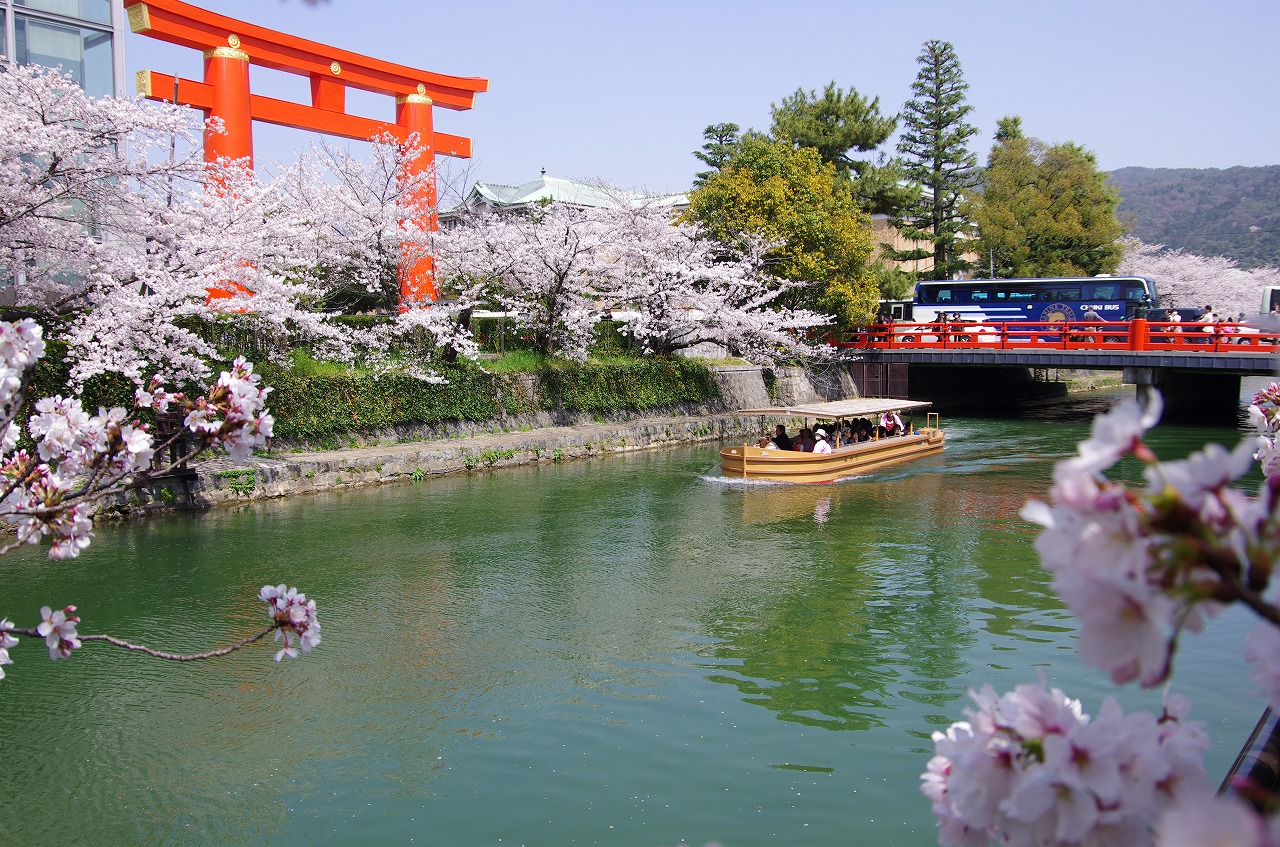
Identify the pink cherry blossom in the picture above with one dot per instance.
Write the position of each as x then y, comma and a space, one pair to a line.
1262, 650
1118, 432
295, 618
1206, 819
58, 628
1186, 279
559, 267
1029, 767
7, 642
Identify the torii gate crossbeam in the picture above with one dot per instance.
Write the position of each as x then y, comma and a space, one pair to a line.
229, 46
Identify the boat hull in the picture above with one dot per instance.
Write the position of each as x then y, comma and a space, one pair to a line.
767, 463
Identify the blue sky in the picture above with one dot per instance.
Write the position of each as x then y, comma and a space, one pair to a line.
621, 91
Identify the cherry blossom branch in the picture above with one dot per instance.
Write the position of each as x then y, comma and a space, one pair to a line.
160, 654
293, 620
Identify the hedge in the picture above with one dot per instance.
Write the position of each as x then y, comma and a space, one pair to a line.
320, 407
309, 407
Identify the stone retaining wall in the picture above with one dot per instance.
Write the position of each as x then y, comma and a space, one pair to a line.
380, 457
221, 482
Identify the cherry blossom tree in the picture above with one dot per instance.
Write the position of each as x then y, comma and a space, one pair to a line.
1139, 569
107, 231
108, 235
548, 264
559, 266
686, 292
365, 218
1187, 280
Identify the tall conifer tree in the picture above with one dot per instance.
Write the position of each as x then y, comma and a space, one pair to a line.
935, 154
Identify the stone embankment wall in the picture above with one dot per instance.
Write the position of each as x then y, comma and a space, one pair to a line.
382, 457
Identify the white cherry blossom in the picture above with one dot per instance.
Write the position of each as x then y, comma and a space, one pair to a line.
58, 628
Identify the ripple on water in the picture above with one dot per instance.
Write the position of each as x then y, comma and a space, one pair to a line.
629, 643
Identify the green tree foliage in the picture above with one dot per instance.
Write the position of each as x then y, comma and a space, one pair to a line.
1045, 210
935, 154
838, 123
720, 142
835, 123
784, 195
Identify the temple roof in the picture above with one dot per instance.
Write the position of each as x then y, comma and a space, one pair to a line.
547, 188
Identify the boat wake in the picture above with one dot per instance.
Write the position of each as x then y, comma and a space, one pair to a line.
738, 482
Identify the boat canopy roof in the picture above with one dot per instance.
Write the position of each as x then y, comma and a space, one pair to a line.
861, 407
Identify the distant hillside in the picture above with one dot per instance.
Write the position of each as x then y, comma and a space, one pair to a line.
1210, 212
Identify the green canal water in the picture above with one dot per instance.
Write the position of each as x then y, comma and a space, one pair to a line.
626, 651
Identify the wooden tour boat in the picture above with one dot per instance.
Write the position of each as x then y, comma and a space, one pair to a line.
768, 463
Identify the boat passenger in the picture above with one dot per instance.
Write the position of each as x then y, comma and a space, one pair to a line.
864, 430
821, 445
781, 439
891, 423
804, 442
846, 436
765, 444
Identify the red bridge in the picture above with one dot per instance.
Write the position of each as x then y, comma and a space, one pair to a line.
1137, 335
1197, 367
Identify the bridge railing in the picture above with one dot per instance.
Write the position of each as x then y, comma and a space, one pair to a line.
1184, 337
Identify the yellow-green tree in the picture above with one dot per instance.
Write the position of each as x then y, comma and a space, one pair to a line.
787, 196
1045, 209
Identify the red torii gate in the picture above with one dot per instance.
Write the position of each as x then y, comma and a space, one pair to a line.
230, 46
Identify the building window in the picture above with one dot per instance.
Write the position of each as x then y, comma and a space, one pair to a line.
98, 11
82, 52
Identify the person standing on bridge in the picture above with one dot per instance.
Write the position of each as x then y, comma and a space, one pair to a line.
1093, 317
1174, 317
1208, 318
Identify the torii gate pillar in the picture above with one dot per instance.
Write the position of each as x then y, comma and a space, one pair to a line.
230, 46
226, 71
418, 273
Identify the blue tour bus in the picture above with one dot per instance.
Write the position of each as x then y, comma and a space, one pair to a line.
1055, 300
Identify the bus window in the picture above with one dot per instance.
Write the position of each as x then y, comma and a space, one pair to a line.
979, 295
938, 294
1134, 291
1102, 291
1016, 295
1062, 295
1271, 299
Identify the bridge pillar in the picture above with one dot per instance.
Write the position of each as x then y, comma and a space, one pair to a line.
1193, 396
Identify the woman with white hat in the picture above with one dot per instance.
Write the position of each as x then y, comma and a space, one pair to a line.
821, 444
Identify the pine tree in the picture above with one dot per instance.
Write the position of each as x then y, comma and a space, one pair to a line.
934, 151
721, 140
838, 123
835, 123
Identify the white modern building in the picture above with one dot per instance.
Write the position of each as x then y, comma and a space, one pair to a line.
493, 196
84, 37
